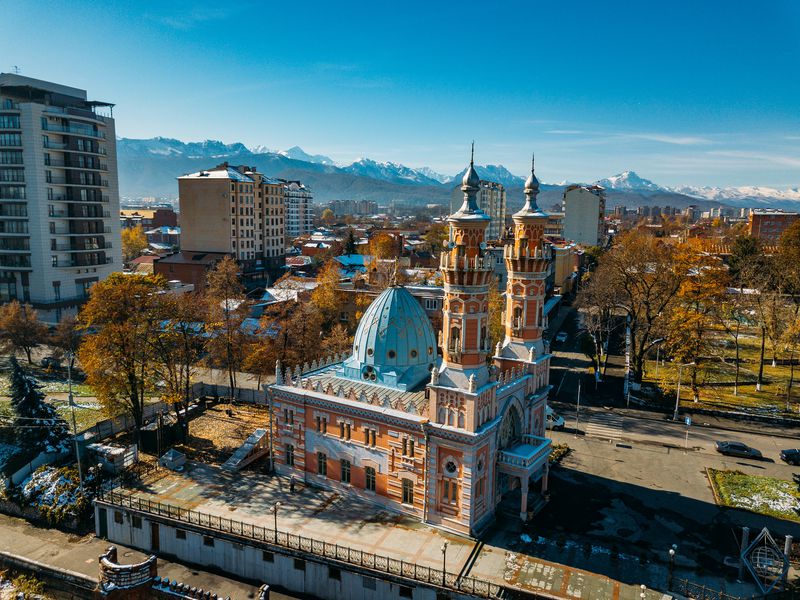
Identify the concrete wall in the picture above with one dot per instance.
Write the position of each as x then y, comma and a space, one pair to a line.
277, 566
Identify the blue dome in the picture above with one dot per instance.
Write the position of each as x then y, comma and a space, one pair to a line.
394, 344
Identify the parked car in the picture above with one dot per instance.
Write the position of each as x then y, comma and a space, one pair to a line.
51, 361
737, 449
561, 337
553, 420
791, 456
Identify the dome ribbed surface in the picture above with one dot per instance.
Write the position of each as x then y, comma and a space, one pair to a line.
394, 344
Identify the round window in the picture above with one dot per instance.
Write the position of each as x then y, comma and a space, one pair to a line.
391, 354
370, 352
413, 354
430, 350
450, 467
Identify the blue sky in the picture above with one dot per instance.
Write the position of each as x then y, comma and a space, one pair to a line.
683, 92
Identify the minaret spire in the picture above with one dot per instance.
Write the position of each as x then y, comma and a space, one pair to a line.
472, 154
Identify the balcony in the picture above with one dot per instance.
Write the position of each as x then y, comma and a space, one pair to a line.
70, 262
65, 164
81, 113
63, 231
13, 214
13, 261
69, 199
70, 248
65, 214
71, 130
54, 145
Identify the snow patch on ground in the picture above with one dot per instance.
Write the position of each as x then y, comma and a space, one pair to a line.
779, 500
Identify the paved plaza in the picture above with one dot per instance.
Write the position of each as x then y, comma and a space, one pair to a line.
349, 521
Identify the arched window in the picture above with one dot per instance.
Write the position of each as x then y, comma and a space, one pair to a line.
455, 339
483, 336
517, 317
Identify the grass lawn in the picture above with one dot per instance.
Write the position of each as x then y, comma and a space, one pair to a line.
716, 377
756, 493
49, 386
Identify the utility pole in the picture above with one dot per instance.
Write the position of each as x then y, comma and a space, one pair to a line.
70, 358
578, 408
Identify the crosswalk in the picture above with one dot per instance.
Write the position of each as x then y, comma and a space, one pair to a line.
605, 425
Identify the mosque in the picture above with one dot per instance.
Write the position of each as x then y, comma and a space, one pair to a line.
424, 426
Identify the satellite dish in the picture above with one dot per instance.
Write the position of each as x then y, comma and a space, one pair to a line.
483, 245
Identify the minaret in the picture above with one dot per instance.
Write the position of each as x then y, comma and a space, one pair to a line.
466, 273
527, 261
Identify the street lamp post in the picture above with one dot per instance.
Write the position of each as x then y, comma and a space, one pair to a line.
578, 408
671, 565
643, 593
70, 358
678, 395
444, 563
275, 508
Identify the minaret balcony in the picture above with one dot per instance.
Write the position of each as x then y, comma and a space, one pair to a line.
465, 263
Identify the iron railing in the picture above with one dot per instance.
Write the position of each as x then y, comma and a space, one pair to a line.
698, 591
318, 548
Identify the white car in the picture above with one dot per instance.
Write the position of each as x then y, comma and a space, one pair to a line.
552, 419
562, 336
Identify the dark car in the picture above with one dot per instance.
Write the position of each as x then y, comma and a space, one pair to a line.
737, 449
791, 456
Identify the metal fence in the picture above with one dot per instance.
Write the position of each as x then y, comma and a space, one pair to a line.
319, 548
698, 591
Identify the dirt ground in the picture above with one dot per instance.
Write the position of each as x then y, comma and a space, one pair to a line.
216, 433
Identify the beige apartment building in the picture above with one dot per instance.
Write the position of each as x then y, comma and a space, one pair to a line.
584, 208
59, 195
236, 211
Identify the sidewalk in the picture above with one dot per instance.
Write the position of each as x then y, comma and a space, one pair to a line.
80, 554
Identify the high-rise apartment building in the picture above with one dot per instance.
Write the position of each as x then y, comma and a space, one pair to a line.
492, 201
299, 209
59, 194
584, 208
768, 225
236, 211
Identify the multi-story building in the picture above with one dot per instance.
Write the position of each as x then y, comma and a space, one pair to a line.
236, 211
299, 210
59, 195
148, 218
359, 208
492, 201
437, 435
768, 225
584, 207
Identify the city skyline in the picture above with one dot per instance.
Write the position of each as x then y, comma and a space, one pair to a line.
695, 95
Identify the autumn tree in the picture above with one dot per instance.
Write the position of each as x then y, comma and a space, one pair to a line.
178, 347
383, 246
639, 277
693, 315
328, 217
66, 339
134, 242
336, 341
496, 305
327, 298
226, 308
120, 319
745, 251
20, 329
596, 307
732, 315
435, 236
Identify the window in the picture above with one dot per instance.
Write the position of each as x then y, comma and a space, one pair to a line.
408, 491
335, 573
208, 541
299, 564
450, 491
341, 430
370, 478
406, 592
118, 517
347, 431
180, 534
290, 455
408, 447
322, 464
369, 583
267, 556
288, 416
136, 521
345, 471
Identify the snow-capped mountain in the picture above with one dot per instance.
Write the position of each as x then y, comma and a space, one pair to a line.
430, 173
171, 147
629, 181
297, 153
388, 171
744, 193
260, 149
496, 173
